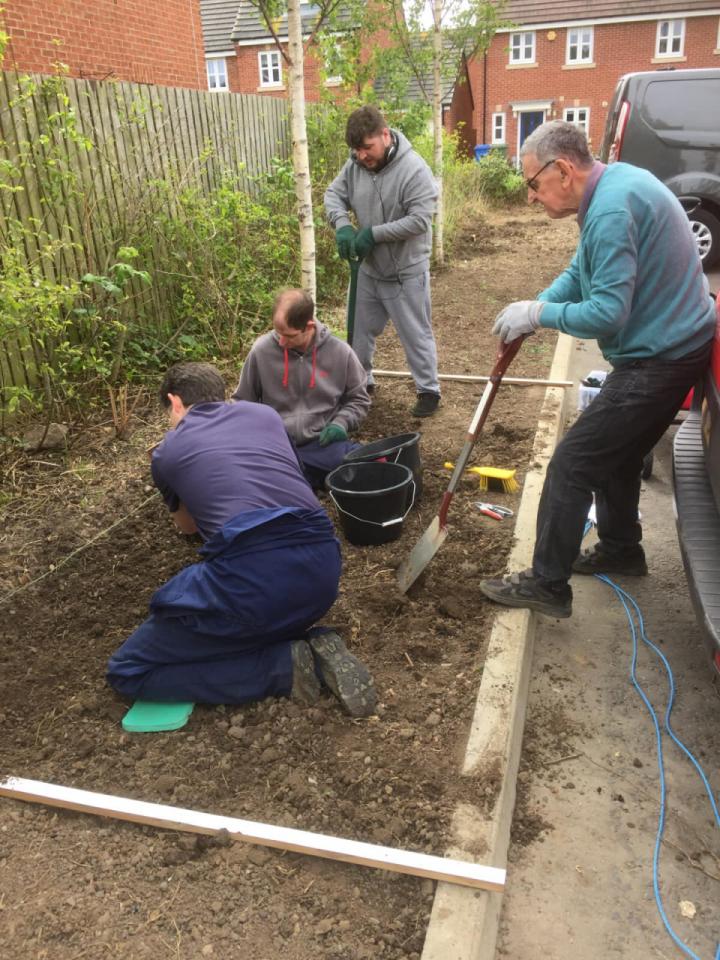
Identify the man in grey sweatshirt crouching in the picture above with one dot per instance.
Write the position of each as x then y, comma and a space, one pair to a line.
392, 193
313, 380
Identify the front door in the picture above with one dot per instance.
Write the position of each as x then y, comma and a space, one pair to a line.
528, 122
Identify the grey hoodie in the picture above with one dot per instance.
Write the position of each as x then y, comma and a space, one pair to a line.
326, 384
398, 202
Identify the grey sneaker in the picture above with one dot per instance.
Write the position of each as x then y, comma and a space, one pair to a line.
347, 678
524, 590
305, 684
629, 563
426, 405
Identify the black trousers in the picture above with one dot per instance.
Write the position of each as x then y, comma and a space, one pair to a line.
603, 453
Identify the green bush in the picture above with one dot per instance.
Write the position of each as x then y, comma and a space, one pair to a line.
498, 180
227, 251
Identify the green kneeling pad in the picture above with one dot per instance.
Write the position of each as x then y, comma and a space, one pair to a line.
148, 716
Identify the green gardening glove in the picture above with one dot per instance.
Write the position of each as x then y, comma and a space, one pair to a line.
331, 434
344, 239
364, 242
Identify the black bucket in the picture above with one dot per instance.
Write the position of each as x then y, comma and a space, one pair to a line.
372, 499
404, 449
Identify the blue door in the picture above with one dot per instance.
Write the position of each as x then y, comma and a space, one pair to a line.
528, 122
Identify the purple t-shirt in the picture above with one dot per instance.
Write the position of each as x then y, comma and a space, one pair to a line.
225, 458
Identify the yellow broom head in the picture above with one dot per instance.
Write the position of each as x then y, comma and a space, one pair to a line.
505, 478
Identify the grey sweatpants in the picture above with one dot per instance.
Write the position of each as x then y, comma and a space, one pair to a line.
407, 304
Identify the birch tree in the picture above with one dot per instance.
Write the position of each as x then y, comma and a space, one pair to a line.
272, 13
459, 28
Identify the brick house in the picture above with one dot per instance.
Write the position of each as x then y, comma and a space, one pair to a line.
242, 56
157, 42
564, 57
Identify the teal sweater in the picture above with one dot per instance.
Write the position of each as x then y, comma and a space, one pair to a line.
635, 283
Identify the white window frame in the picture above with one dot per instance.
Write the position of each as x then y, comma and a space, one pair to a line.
498, 129
213, 74
570, 115
336, 79
270, 64
675, 32
519, 45
576, 39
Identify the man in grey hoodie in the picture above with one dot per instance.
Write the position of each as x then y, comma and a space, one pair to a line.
392, 193
313, 380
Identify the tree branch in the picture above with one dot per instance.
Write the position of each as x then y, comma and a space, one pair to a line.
403, 35
264, 10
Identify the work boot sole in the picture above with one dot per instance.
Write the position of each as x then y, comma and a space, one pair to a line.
620, 566
305, 684
348, 679
503, 594
420, 413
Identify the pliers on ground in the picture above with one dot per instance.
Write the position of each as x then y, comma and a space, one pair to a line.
494, 510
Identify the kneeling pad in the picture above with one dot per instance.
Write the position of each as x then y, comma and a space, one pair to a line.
147, 716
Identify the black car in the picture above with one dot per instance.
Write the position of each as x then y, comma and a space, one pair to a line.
668, 122
696, 474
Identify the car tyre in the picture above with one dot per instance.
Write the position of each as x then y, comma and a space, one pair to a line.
647, 467
706, 230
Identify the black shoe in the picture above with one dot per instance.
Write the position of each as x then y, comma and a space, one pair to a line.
427, 404
524, 590
305, 684
343, 673
628, 563
370, 387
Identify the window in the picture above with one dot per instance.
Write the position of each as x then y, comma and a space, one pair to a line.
683, 105
579, 45
270, 69
580, 116
670, 38
332, 57
498, 128
522, 47
217, 74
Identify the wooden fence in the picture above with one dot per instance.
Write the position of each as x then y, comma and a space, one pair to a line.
77, 158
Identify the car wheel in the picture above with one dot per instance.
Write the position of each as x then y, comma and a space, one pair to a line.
647, 467
706, 230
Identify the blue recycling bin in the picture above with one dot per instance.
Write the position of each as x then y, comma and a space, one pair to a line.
482, 150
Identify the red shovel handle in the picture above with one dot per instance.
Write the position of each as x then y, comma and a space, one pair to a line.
505, 357
503, 360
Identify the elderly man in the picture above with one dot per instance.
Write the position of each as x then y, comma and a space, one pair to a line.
635, 285
313, 380
392, 192
239, 625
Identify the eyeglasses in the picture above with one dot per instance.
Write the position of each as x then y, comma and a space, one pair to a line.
532, 183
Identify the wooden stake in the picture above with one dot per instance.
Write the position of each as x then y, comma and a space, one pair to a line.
468, 378
283, 838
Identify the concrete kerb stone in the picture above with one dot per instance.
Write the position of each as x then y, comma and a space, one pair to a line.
464, 923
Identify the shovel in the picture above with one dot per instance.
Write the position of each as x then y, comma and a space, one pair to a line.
434, 537
352, 297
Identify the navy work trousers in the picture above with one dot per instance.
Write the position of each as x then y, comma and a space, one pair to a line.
317, 462
221, 630
602, 453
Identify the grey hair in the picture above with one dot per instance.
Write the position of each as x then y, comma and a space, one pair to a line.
557, 138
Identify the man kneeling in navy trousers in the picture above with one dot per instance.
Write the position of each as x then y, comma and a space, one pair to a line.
239, 625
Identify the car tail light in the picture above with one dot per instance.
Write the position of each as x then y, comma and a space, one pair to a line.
716, 661
616, 145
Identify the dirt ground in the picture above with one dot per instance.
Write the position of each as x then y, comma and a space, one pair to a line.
75, 886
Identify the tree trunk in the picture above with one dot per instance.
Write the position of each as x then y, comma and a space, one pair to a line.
301, 161
438, 129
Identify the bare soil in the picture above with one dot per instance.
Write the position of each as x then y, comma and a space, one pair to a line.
75, 886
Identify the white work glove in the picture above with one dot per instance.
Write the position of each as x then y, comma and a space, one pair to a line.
517, 318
